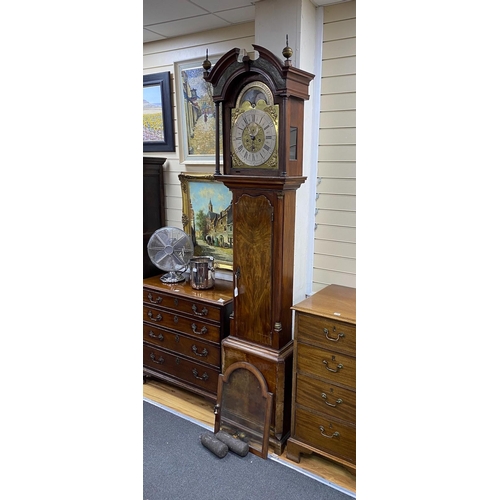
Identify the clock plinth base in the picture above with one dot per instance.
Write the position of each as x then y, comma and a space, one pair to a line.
276, 367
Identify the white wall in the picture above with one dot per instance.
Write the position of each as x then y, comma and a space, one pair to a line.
298, 19
335, 232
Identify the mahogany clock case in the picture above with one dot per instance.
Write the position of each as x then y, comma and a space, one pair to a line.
264, 202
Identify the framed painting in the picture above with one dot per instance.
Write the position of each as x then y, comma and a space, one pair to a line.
196, 114
207, 217
157, 123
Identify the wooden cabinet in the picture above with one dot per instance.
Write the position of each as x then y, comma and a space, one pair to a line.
153, 209
182, 333
324, 381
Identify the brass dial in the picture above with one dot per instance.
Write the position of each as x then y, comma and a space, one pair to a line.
254, 138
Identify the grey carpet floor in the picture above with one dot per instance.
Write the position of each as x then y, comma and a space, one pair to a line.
177, 466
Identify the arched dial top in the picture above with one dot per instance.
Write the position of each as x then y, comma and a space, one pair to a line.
253, 93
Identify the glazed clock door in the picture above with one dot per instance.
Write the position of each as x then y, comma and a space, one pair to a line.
252, 266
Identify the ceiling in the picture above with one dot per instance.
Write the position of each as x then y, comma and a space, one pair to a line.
164, 19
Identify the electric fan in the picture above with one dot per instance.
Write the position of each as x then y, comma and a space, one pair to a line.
170, 250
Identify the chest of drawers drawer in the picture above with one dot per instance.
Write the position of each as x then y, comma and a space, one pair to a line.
329, 399
189, 326
329, 365
331, 436
326, 333
185, 306
187, 346
184, 370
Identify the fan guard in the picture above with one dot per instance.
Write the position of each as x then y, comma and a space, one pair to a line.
170, 250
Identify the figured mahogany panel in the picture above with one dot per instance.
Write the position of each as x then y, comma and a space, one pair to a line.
252, 265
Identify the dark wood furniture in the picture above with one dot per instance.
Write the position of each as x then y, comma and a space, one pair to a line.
247, 418
264, 199
261, 331
182, 333
153, 209
324, 385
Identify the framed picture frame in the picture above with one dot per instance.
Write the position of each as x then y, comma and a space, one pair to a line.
157, 117
196, 113
207, 217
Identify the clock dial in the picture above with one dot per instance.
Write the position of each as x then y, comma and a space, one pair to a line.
253, 137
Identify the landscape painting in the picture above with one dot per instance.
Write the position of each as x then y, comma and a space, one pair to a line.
157, 123
152, 121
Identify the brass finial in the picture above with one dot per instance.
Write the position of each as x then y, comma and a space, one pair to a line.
287, 52
207, 64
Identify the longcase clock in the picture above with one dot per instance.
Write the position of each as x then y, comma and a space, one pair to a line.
260, 112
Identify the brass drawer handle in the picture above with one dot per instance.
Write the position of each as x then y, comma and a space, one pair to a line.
324, 396
322, 430
153, 336
201, 332
339, 366
159, 362
158, 317
326, 332
202, 354
203, 377
203, 312
154, 301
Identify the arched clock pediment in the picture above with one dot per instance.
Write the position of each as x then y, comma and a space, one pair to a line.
228, 69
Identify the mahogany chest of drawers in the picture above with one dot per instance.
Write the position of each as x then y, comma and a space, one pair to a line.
324, 379
182, 333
